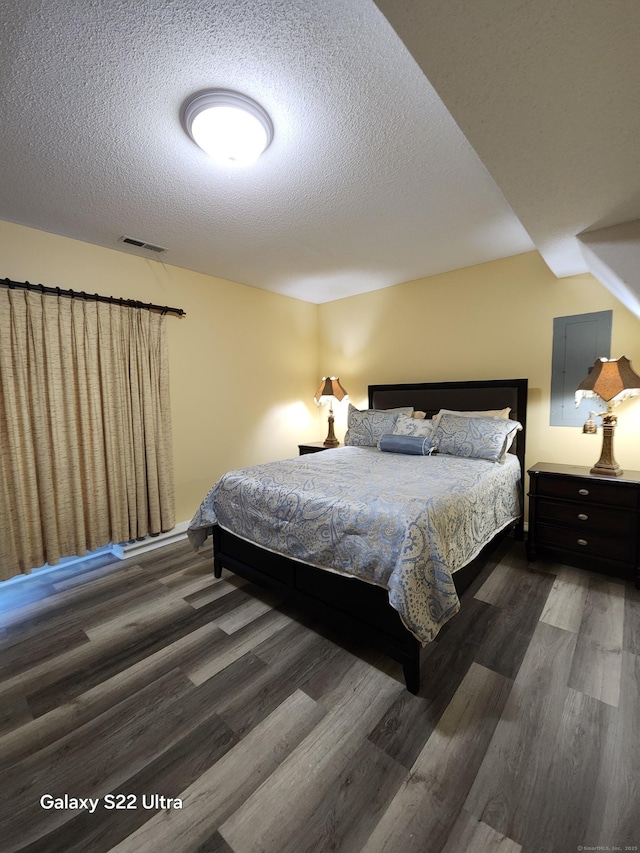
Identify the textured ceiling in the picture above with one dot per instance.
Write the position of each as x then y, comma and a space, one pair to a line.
369, 180
548, 94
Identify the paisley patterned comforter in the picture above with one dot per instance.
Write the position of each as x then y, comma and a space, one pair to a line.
402, 522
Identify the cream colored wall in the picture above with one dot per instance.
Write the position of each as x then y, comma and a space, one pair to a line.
494, 320
243, 361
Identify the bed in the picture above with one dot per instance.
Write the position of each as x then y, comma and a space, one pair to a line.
378, 544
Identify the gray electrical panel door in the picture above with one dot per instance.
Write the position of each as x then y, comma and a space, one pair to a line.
578, 341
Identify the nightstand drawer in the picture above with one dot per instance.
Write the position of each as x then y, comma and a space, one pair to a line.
591, 519
587, 543
589, 491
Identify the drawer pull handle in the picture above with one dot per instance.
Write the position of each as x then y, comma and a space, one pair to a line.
584, 492
583, 516
582, 542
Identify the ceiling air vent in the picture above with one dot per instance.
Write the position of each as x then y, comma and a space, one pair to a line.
140, 244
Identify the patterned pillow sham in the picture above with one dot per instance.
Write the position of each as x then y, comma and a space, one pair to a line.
475, 438
413, 426
364, 428
488, 413
413, 445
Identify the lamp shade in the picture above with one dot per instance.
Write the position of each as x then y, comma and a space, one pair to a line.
612, 380
329, 387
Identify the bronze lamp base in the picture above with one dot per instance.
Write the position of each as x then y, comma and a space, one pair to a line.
607, 465
331, 440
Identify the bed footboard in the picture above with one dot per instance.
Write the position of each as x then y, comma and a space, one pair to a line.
345, 603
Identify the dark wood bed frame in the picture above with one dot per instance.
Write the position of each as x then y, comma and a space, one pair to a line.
349, 603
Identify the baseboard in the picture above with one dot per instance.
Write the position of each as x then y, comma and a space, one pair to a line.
176, 534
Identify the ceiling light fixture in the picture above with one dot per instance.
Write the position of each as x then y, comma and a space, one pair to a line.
229, 126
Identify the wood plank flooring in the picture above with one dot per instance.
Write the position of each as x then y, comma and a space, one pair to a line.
149, 677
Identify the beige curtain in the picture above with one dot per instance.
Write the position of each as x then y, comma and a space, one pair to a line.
85, 431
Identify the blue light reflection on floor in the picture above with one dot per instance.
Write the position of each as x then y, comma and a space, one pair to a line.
22, 590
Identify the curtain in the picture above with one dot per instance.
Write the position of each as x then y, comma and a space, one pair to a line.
85, 430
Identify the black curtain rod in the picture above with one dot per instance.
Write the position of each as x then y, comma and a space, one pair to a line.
95, 297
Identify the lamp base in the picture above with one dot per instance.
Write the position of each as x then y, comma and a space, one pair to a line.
331, 440
608, 470
607, 465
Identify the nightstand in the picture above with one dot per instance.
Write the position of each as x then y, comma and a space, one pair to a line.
312, 447
586, 520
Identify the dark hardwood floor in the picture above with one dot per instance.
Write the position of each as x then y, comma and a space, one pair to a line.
151, 680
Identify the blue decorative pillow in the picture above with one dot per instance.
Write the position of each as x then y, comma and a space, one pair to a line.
413, 426
475, 438
413, 444
365, 428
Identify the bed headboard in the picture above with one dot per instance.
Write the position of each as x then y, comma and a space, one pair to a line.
475, 395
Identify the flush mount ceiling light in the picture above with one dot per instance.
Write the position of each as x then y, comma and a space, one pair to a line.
229, 126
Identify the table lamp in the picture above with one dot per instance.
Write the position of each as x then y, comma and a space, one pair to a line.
613, 380
329, 389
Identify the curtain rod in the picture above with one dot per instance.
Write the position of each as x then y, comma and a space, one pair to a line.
95, 297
